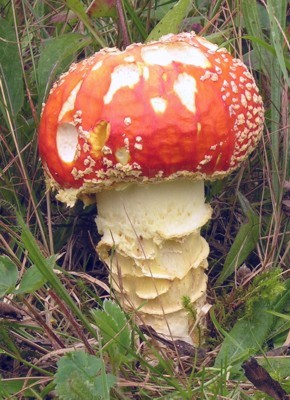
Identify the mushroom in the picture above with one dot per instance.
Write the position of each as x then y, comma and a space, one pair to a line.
139, 131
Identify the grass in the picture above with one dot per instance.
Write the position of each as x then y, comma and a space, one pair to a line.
50, 276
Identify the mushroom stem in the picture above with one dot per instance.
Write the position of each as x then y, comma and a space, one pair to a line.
152, 245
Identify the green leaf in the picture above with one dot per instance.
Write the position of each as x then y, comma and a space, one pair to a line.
8, 275
249, 333
55, 57
123, 330
245, 242
79, 377
245, 339
11, 387
10, 69
113, 324
78, 8
277, 366
33, 279
170, 23
161, 9
103, 8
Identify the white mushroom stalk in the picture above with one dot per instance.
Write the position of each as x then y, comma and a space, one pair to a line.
152, 244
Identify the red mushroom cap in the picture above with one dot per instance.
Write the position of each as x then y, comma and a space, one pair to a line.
177, 107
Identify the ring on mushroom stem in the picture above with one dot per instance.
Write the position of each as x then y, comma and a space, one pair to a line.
139, 131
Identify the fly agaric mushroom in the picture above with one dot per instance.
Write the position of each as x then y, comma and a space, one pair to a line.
139, 131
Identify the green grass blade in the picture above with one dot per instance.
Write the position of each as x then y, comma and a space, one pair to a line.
135, 19
266, 46
78, 8
39, 260
171, 21
244, 243
253, 25
277, 16
10, 69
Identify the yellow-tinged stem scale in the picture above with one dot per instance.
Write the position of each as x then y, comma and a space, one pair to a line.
156, 256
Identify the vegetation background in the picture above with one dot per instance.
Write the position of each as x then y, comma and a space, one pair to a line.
60, 334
